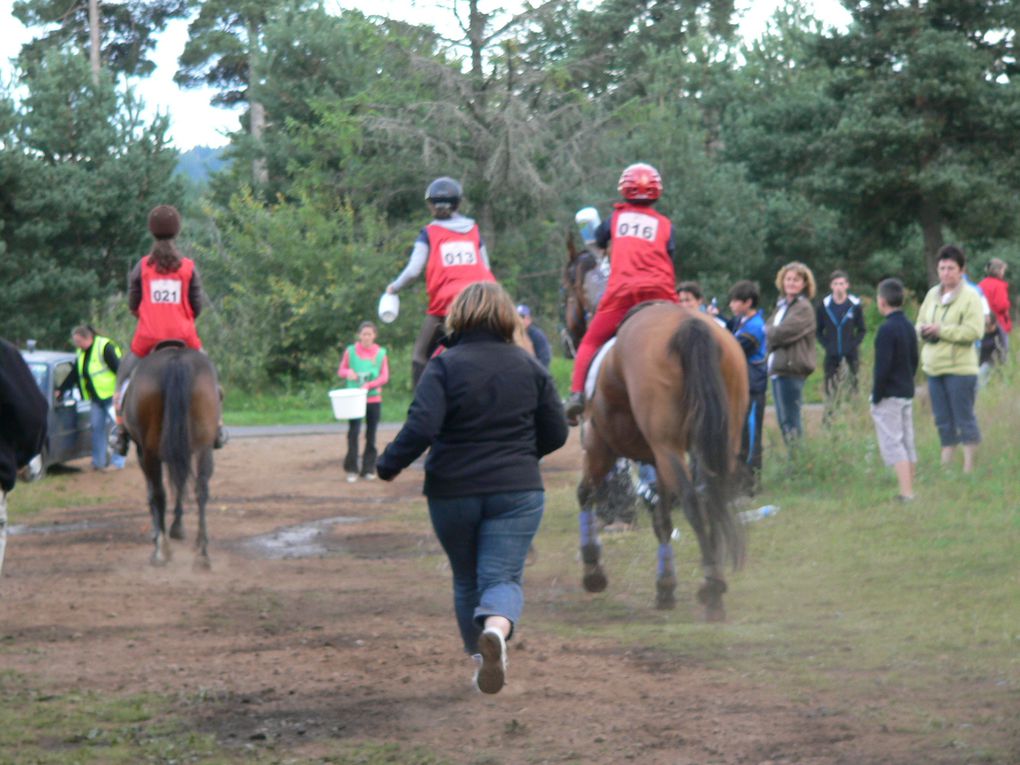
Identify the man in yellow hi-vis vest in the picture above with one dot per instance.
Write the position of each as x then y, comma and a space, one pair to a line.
95, 374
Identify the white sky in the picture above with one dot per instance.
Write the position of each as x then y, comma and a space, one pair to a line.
195, 122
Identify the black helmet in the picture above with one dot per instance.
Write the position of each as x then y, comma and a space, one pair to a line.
444, 191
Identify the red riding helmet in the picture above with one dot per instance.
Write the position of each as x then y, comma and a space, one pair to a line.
640, 182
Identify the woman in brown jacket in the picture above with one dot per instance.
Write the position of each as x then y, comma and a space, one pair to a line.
790, 334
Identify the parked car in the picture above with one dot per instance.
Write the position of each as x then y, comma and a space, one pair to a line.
69, 429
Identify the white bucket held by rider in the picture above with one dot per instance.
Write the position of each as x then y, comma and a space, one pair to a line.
389, 307
587, 220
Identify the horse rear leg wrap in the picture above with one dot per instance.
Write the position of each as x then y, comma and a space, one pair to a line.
665, 579
594, 578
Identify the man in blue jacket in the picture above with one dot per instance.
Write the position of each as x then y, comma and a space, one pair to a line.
840, 329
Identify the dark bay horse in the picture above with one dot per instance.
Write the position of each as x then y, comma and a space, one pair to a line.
582, 286
672, 391
172, 411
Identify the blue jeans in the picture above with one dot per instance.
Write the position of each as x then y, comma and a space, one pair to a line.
952, 403
786, 391
101, 418
486, 537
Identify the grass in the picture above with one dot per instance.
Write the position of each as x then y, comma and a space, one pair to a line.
59, 489
86, 728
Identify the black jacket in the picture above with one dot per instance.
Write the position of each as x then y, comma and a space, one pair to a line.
896, 358
489, 411
838, 331
23, 412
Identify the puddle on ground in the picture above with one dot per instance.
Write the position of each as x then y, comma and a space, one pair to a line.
307, 540
59, 528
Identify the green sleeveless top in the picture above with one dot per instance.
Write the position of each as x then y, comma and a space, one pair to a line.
366, 369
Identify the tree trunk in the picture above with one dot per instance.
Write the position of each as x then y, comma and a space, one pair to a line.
94, 40
931, 228
256, 112
259, 168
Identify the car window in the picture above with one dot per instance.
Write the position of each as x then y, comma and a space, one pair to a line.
60, 373
39, 370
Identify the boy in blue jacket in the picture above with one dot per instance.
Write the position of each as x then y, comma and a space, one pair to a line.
748, 326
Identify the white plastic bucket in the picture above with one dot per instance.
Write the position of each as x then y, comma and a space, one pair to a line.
587, 220
389, 307
349, 403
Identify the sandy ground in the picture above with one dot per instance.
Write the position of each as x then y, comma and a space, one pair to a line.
326, 619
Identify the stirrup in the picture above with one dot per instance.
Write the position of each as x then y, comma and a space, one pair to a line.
574, 408
118, 440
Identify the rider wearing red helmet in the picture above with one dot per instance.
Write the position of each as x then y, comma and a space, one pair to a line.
641, 260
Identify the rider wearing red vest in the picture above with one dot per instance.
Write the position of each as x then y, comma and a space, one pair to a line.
165, 293
451, 252
641, 268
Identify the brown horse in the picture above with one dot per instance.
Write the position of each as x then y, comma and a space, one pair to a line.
172, 411
673, 392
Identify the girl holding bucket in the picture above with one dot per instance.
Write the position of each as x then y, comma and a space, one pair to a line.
364, 365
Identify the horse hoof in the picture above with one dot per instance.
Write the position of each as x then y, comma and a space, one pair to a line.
201, 564
595, 579
177, 530
665, 600
665, 594
715, 614
157, 560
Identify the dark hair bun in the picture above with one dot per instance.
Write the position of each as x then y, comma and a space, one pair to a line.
164, 222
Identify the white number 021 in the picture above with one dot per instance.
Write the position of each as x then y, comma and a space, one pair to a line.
637, 225
165, 291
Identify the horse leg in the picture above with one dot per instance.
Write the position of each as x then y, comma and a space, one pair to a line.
711, 591
205, 469
598, 460
177, 527
153, 470
670, 475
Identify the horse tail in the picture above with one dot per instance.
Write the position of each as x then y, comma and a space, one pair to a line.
704, 402
175, 441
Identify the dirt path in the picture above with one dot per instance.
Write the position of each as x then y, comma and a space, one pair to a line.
355, 640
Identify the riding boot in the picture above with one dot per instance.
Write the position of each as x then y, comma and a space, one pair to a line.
574, 408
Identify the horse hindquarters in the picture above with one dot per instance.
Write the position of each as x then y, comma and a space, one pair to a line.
705, 494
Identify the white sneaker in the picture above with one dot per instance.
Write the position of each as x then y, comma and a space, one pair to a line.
492, 674
352, 477
369, 476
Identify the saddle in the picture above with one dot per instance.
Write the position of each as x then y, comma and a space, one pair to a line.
596, 364
164, 344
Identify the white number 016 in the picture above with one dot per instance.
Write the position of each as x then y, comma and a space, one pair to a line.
637, 225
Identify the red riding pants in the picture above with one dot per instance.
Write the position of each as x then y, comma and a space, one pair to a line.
611, 310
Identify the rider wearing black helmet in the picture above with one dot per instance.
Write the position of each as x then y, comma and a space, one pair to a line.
451, 252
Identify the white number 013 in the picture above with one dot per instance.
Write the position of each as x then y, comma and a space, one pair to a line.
458, 254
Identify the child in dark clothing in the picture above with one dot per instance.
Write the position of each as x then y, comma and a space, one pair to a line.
892, 395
